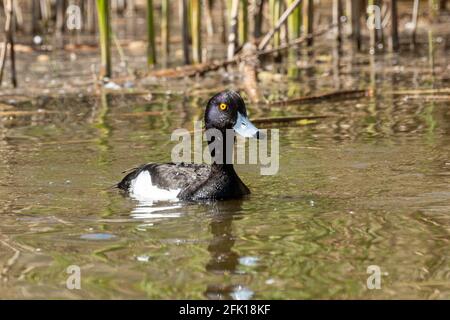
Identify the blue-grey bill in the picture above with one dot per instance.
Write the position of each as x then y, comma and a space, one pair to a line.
245, 128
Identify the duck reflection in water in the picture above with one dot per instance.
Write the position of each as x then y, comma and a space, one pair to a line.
223, 259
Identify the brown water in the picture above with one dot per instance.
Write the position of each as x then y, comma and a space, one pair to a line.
370, 185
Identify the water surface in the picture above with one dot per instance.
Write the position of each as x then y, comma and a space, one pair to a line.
369, 185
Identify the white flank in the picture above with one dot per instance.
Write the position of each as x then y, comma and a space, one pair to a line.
142, 189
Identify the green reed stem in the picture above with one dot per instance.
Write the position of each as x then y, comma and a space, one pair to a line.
294, 21
151, 47
258, 16
184, 24
431, 50
243, 21
196, 25
308, 20
394, 43
294, 30
275, 11
165, 27
356, 22
105, 37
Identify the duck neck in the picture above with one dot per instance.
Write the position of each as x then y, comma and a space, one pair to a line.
227, 169
221, 150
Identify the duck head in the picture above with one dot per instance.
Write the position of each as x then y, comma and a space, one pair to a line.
226, 110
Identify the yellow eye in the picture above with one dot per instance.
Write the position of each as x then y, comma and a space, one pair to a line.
223, 107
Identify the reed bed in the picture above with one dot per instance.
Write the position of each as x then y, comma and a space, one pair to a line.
195, 25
